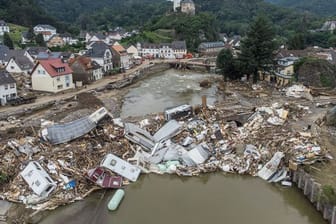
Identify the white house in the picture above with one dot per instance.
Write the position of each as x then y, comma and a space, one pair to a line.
19, 65
7, 87
52, 75
149, 50
38, 179
4, 28
132, 51
102, 54
46, 30
166, 51
179, 49
96, 37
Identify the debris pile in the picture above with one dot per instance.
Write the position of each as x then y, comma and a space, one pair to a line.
66, 162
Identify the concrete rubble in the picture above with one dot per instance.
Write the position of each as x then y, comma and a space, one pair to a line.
74, 159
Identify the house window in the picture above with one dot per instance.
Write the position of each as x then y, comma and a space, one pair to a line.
58, 79
67, 84
60, 87
12, 67
12, 85
6, 86
13, 95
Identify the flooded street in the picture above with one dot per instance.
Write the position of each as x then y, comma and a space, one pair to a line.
167, 199
167, 89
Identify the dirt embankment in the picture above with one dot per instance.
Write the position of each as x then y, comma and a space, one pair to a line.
316, 72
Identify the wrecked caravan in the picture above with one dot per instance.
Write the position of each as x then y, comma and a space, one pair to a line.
38, 179
178, 112
271, 166
139, 136
121, 167
167, 131
102, 178
61, 133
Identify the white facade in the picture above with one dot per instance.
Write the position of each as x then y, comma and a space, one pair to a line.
98, 73
44, 28
150, 52
177, 4
125, 61
42, 81
4, 28
13, 67
132, 51
7, 91
166, 51
38, 179
106, 61
179, 53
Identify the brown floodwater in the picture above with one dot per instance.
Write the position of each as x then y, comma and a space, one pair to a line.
211, 198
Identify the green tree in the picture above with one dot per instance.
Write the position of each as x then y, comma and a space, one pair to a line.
225, 62
40, 40
8, 41
297, 42
30, 33
258, 48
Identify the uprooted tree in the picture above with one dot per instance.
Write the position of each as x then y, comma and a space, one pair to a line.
258, 48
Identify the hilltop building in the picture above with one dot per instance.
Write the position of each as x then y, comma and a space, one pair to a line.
188, 7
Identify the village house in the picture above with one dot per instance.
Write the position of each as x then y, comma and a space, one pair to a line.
133, 54
120, 57
25, 37
4, 28
329, 25
188, 7
35, 51
85, 70
212, 48
4, 53
149, 50
19, 62
55, 41
52, 75
179, 49
176, 5
96, 37
102, 54
46, 30
166, 51
284, 72
67, 38
176, 49
114, 36
132, 51
7, 87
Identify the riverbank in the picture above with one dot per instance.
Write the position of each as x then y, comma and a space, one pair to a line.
240, 100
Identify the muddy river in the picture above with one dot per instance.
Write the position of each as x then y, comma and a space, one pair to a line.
213, 198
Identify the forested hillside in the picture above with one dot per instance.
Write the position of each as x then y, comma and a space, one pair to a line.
232, 16
104, 14
320, 7
23, 12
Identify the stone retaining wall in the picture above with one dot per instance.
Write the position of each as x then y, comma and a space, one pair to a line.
311, 189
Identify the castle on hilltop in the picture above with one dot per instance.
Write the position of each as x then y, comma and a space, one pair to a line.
185, 6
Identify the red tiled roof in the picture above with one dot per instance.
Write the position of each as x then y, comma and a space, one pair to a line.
51, 65
118, 48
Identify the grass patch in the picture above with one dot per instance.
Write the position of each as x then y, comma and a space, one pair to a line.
15, 33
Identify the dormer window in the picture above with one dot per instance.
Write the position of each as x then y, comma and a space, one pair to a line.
60, 69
